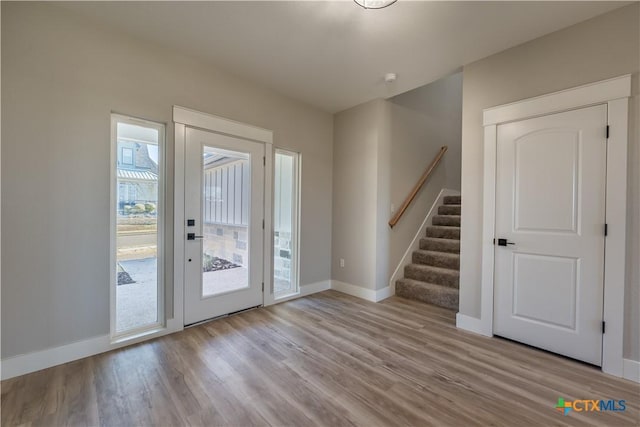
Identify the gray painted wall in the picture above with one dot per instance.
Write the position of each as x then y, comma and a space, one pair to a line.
381, 148
422, 121
62, 76
603, 47
355, 174
434, 112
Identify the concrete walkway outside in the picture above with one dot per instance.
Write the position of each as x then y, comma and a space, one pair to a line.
137, 302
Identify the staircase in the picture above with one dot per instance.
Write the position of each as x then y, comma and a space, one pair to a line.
434, 273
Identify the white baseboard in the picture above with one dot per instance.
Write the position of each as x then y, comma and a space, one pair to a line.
360, 292
398, 273
386, 292
353, 290
631, 370
31, 362
38, 360
470, 324
313, 288
305, 290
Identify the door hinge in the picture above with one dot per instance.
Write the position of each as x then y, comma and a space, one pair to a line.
606, 229
263, 224
264, 159
607, 131
262, 286
603, 323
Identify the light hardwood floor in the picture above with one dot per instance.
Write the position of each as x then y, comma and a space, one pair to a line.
326, 360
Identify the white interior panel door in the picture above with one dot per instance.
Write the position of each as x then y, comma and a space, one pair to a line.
550, 215
224, 229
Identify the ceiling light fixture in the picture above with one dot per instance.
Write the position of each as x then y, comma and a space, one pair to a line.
375, 4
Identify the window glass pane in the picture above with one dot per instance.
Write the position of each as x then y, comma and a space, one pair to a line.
137, 175
285, 224
226, 186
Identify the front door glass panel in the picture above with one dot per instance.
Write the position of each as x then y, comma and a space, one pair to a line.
226, 192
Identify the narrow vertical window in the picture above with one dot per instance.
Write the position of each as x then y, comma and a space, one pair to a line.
286, 213
137, 218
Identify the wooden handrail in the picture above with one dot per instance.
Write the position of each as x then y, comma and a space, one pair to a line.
417, 187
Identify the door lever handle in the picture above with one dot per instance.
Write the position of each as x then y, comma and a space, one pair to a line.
504, 242
192, 236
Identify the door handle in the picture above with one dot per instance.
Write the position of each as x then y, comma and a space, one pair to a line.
192, 236
504, 242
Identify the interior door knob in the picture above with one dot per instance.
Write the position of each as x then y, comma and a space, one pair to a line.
504, 242
192, 236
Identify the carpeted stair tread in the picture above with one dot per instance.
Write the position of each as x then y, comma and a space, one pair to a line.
436, 259
434, 276
428, 292
449, 210
443, 232
452, 200
430, 274
441, 245
450, 220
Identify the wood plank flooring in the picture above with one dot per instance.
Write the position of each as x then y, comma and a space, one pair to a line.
324, 360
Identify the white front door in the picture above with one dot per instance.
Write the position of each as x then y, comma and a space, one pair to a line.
550, 213
224, 211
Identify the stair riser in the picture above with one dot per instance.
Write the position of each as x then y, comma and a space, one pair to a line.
443, 245
446, 233
430, 276
448, 220
433, 277
452, 200
436, 260
448, 210
443, 299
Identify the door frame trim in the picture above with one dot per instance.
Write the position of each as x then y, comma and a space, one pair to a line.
615, 93
183, 118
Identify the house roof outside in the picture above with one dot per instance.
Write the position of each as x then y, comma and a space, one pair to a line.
140, 175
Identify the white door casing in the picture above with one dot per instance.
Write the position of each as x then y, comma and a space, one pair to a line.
615, 93
550, 207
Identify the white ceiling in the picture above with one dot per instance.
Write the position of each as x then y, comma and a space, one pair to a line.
334, 54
